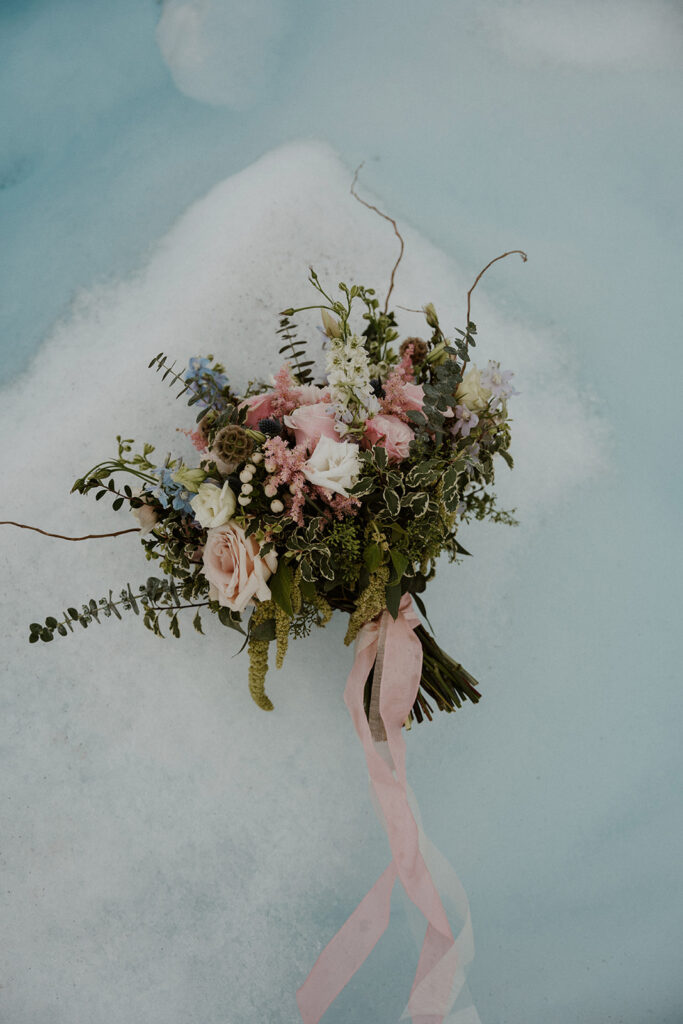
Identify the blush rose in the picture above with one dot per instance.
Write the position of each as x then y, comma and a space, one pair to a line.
234, 568
311, 422
391, 433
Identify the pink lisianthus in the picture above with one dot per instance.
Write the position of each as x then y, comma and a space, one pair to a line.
391, 433
234, 568
412, 397
310, 423
259, 407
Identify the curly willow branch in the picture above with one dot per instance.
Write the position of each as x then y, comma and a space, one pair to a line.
391, 221
481, 273
89, 536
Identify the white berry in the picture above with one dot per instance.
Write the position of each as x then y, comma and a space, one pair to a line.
247, 488
246, 475
257, 457
276, 506
244, 499
270, 490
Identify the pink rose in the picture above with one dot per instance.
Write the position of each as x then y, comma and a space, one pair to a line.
234, 568
311, 422
259, 407
412, 396
391, 433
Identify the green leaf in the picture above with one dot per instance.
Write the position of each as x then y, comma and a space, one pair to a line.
392, 501
116, 505
424, 473
399, 562
417, 502
415, 416
450, 488
393, 596
380, 457
281, 586
363, 487
507, 457
51, 622
197, 623
307, 591
228, 618
307, 574
264, 630
372, 556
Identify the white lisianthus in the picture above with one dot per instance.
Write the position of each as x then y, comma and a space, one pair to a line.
471, 392
334, 465
213, 505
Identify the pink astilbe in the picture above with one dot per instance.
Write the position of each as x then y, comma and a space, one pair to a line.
287, 471
287, 392
400, 392
342, 505
197, 438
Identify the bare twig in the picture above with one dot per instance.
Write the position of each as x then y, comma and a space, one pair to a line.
89, 536
481, 274
391, 221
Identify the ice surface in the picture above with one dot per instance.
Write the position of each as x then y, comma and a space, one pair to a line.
626, 34
221, 52
172, 854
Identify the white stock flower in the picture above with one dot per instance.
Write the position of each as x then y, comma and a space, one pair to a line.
213, 505
334, 465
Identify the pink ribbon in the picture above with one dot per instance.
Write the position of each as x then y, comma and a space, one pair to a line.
432, 991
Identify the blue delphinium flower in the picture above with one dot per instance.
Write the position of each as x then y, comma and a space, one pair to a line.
169, 492
208, 381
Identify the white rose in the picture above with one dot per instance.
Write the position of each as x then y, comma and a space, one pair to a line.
213, 505
334, 465
471, 391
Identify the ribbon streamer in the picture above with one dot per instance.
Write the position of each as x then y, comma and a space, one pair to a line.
439, 978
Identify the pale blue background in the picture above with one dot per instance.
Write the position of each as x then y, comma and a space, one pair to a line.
575, 885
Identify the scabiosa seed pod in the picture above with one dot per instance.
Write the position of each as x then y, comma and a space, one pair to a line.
231, 446
420, 348
270, 427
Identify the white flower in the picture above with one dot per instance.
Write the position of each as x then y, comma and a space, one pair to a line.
332, 326
471, 392
334, 465
147, 517
213, 505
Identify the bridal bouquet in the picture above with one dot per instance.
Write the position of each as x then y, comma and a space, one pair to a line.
335, 485
309, 496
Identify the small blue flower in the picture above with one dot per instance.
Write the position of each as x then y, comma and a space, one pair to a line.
170, 493
208, 380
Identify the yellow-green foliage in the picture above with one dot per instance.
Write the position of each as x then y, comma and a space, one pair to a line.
258, 657
371, 602
282, 621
